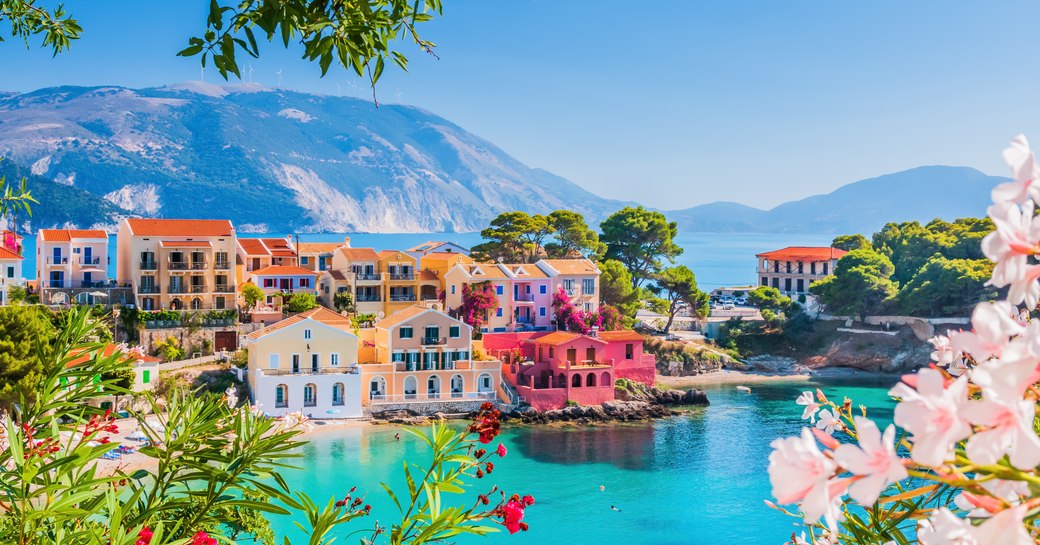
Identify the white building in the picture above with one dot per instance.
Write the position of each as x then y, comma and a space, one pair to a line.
306, 363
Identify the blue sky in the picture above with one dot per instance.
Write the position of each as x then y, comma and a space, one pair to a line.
670, 103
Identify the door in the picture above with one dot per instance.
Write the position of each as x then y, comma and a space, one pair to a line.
295, 363
87, 279
56, 255
88, 258
590, 354
225, 340
314, 362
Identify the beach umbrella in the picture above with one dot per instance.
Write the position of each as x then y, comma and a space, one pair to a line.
98, 294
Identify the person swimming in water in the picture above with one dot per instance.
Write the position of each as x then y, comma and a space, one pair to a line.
612, 508
397, 436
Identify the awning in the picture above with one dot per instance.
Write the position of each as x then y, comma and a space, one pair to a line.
92, 269
185, 244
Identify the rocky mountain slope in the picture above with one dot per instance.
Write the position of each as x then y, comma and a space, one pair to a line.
274, 160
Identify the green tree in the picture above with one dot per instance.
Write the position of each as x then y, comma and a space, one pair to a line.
767, 298
861, 284
514, 237
572, 237
251, 294
678, 285
852, 242
640, 239
344, 302
301, 301
615, 287
26, 333
947, 287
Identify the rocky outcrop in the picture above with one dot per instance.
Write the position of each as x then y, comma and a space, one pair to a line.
634, 391
611, 411
680, 359
872, 352
404, 416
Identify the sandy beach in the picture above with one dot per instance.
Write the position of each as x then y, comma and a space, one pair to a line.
748, 377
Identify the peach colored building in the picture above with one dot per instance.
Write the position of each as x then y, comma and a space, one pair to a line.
253, 254
356, 271
423, 355
72, 267
178, 264
317, 256
579, 279
401, 280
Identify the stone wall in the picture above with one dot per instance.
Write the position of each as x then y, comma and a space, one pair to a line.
428, 408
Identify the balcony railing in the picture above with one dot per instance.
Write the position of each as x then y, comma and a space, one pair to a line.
198, 265
348, 370
368, 276
57, 261
197, 289
571, 291
405, 297
149, 265
222, 265
524, 298
224, 288
402, 276
402, 366
367, 299
148, 289
428, 396
433, 341
176, 289
179, 265
90, 261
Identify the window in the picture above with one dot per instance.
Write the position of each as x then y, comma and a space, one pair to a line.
281, 397
272, 361
552, 352
788, 266
499, 312
628, 351
499, 290
10, 271
812, 268
541, 311
588, 286
305, 260
398, 356
337, 393
146, 376
334, 360
527, 289
306, 334
800, 267
269, 282
542, 289
310, 395
406, 332
433, 332
305, 282
765, 281
454, 332
825, 268
453, 289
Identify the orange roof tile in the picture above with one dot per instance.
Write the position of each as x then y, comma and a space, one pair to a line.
359, 254
803, 253
486, 271
402, 316
620, 335
528, 270
336, 274
185, 244
252, 246
557, 338
387, 254
273, 243
320, 314
318, 247
283, 270
180, 228
8, 254
572, 266
84, 355
65, 235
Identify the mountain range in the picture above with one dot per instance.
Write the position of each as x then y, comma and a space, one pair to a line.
274, 160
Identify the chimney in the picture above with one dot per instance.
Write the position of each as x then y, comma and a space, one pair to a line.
594, 332
346, 241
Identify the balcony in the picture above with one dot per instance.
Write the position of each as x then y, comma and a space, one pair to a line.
402, 298
179, 265
401, 366
368, 276
172, 288
367, 299
148, 289
434, 396
198, 265
224, 288
57, 261
571, 291
88, 261
524, 298
345, 370
434, 341
402, 276
149, 266
222, 265
197, 289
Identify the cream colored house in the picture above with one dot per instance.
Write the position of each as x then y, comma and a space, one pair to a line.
579, 279
423, 355
308, 363
317, 256
499, 319
178, 264
356, 271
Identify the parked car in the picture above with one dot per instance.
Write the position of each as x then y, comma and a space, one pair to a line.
728, 306
742, 301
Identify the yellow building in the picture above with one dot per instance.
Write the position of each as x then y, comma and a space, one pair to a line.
400, 280
317, 256
178, 264
356, 271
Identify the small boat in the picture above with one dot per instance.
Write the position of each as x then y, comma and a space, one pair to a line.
744, 389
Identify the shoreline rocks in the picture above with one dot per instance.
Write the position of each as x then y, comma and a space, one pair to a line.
611, 411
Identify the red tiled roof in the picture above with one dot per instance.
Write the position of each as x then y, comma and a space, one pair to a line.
401, 316
620, 335
85, 355
180, 228
65, 235
386, 254
283, 270
359, 254
572, 266
320, 314
528, 271
8, 254
557, 338
318, 247
185, 244
803, 253
252, 246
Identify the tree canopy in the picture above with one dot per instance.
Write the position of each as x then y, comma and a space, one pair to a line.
572, 237
640, 239
515, 237
860, 286
677, 285
302, 301
947, 287
26, 333
615, 287
852, 242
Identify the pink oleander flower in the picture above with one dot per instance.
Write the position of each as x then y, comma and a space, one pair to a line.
1016, 370
1008, 429
828, 421
1024, 169
513, 515
202, 538
945, 528
800, 473
1025, 288
810, 404
502, 451
1013, 241
932, 414
875, 460
993, 325
1004, 528
942, 354
1008, 491
144, 537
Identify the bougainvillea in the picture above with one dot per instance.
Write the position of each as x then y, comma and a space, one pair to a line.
610, 318
576, 320
477, 301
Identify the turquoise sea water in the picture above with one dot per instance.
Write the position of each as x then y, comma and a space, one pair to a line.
718, 259
694, 480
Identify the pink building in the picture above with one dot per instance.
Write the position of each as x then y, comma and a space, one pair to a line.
562, 366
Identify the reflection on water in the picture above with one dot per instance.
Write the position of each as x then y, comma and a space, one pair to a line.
626, 446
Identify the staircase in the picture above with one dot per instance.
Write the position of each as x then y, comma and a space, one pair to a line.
510, 392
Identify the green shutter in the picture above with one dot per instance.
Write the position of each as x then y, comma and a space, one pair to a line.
146, 376
454, 331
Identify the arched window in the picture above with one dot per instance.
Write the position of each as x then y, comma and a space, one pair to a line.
433, 387
561, 381
310, 395
590, 380
484, 384
337, 393
196, 304
377, 388
410, 387
575, 381
604, 379
281, 396
456, 386
176, 304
